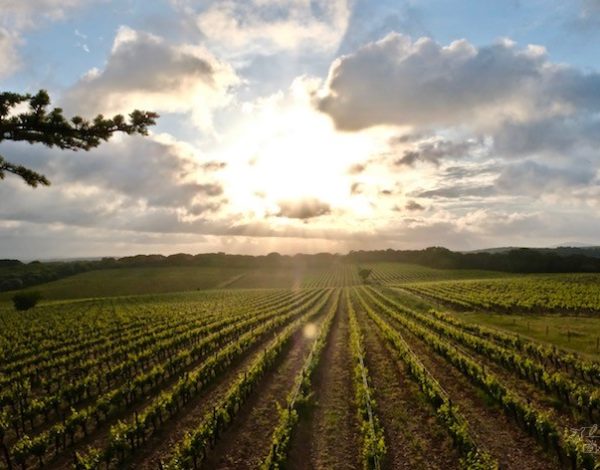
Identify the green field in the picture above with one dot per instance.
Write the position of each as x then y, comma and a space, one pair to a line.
556, 293
574, 333
153, 280
136, 281
130, 281
186, 368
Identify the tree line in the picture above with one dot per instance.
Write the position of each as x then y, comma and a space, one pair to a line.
15, 274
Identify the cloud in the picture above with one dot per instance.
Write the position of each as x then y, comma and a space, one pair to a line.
572, 136
356, 188
144, 71
432, 150
589, 14
270, 26
19, 16
357, 168
459, 191
213, 166
9, 57
421, 83
303, 209
128, 183
371, 21
532, 178
414, 206
479, 106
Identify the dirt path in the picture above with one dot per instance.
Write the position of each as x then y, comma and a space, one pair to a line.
414, 438
328, 435
247, 441
511, 446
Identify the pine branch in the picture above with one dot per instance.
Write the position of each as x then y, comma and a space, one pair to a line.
51, 128
31, 177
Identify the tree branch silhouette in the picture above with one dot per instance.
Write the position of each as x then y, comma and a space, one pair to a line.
38, 124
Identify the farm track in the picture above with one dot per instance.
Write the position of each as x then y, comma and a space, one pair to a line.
248, 440
502, 437
414, 438
327, 435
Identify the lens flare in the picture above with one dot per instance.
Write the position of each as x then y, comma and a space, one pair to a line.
310, 330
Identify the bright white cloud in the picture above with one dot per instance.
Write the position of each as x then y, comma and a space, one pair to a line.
144, 71
281, 149
422, 83
267, 26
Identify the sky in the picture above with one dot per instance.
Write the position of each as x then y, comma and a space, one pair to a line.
308, 125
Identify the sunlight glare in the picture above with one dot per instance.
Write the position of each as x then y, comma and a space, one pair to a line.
289, 151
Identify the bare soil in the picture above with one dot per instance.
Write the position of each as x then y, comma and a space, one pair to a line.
414, 438
328, 435
498, 434
248, 439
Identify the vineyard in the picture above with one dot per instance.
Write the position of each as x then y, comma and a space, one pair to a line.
575, 293
318, 370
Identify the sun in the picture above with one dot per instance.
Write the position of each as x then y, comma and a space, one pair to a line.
291, 152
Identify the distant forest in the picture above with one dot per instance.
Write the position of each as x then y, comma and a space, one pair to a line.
15, 274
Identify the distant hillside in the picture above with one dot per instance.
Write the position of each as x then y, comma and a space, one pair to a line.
16, 275
563, 250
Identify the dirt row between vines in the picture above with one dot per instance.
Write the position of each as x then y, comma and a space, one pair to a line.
414, 437
248, 440
521, 387
156, 448
502, 437
328, 435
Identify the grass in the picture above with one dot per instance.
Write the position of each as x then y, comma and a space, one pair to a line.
158, 280
133, 281
575, 333
568, 332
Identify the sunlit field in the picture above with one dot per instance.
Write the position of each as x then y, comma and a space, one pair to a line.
299, 235
322, 369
